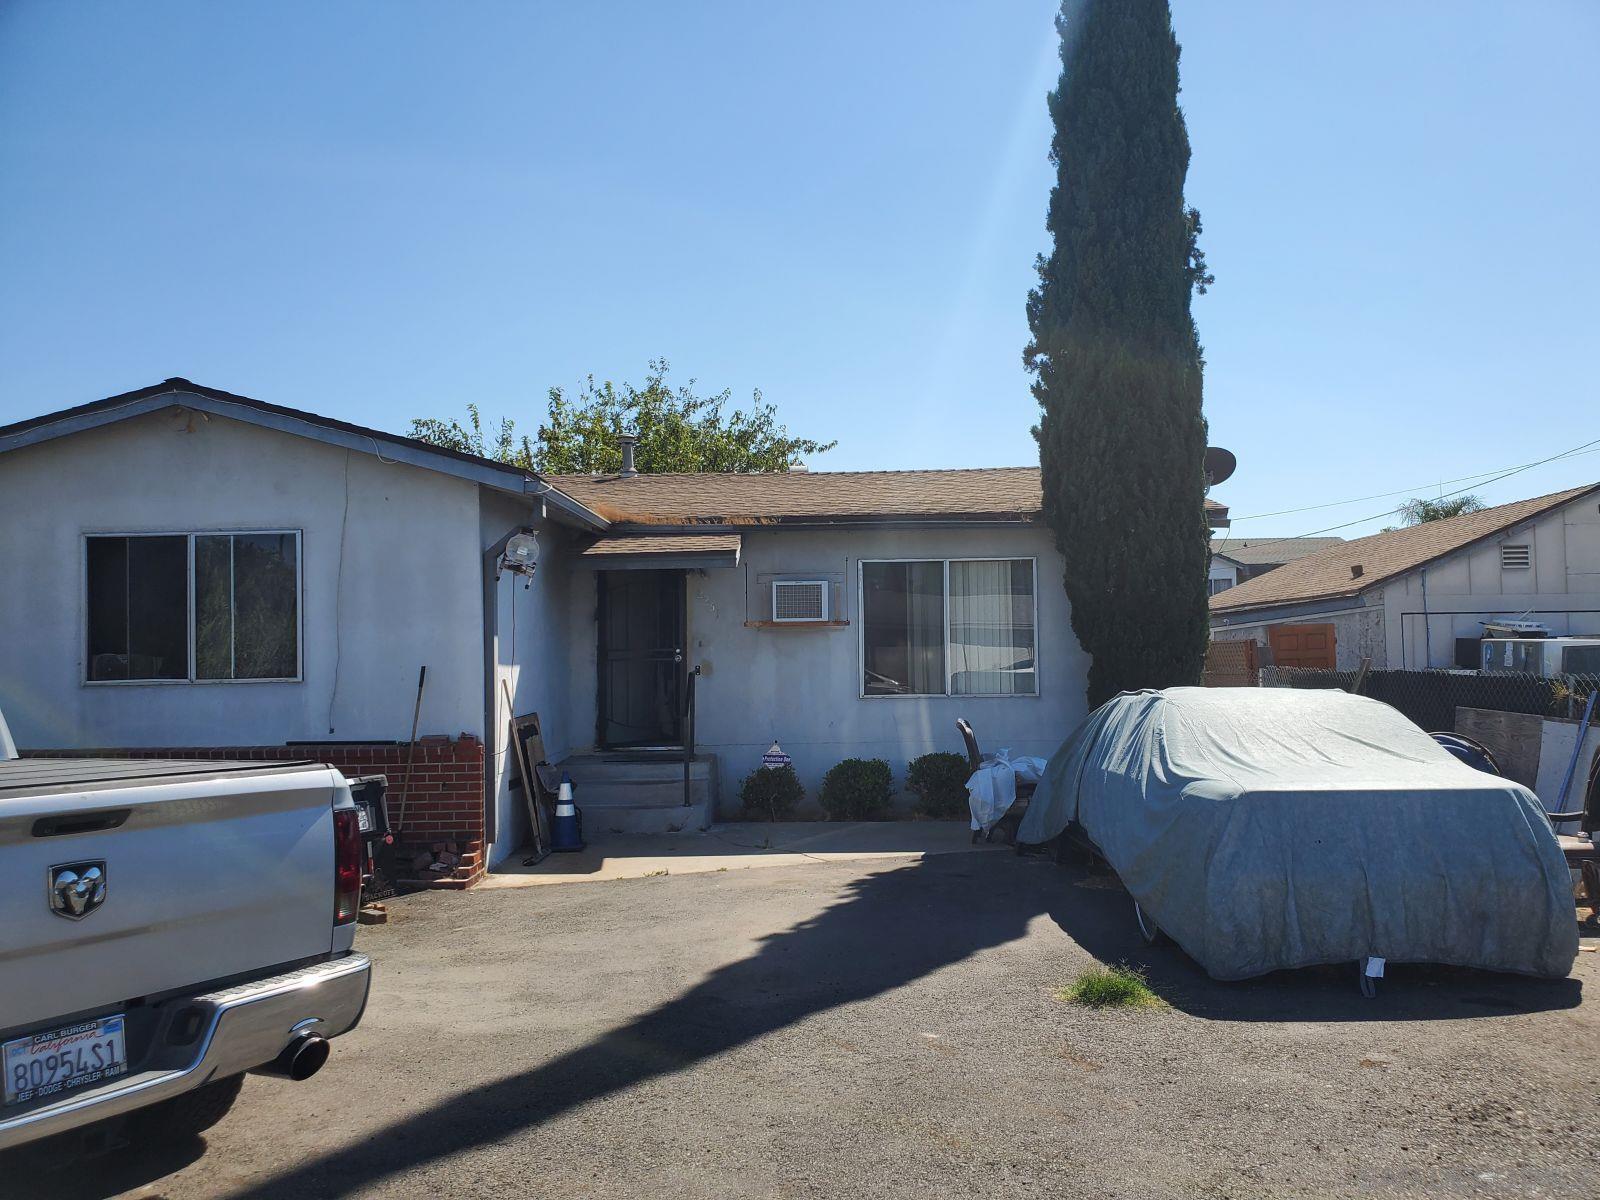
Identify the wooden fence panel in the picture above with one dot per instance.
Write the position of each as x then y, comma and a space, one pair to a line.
1231, 664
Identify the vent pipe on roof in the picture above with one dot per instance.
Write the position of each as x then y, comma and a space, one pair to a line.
628, 441
1355, 570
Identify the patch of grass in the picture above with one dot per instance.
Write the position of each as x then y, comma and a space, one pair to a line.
1111, 987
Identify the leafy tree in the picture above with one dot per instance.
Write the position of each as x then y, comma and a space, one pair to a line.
1417, 512
678, 430
502, 444
1115, 355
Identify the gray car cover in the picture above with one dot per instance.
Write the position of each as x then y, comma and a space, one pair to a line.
1265, 828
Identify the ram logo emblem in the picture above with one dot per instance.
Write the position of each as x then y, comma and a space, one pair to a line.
77, 889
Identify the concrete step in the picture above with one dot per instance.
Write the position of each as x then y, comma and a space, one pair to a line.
609, 794
606, 781
641, 793
600, 823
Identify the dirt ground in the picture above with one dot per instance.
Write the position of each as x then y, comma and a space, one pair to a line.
885, 1030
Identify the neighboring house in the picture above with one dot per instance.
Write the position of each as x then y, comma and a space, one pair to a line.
1233, 560
1418, 597
188, 569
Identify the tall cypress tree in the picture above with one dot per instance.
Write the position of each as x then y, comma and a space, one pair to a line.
1115, 355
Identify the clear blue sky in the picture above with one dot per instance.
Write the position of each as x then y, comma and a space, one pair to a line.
382, 210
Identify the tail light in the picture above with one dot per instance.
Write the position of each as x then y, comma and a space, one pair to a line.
346, 865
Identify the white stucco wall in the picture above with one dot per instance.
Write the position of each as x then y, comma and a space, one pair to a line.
531, 631
801, 687
408, 591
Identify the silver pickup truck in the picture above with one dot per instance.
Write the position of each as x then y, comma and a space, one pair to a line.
166, 927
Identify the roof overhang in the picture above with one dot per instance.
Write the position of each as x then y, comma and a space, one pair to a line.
662, 552
389, 447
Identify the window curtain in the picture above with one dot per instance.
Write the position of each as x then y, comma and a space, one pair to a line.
991, 629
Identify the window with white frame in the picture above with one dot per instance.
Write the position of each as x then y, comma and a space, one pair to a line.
948, 627
193, 606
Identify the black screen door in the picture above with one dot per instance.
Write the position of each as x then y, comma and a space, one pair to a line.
641, 658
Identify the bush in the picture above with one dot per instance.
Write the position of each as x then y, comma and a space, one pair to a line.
771, 794
939, 782
857, 790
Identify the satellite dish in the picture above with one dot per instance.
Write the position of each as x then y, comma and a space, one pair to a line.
1220, 464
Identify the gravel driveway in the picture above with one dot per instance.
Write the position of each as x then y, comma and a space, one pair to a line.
862, 1030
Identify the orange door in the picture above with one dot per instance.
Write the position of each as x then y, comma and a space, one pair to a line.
1302, 645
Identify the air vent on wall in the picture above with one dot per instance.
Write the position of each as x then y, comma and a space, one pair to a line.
1516, 558
800, 600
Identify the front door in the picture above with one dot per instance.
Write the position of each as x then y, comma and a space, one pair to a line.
641, 658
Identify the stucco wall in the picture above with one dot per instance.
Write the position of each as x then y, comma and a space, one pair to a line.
801, 687
408, 591
530, 648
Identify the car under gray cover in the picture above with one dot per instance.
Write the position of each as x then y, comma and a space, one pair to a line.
1273, 828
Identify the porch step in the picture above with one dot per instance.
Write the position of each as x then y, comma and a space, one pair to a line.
635, 793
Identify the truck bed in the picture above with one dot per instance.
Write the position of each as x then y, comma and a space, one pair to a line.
29, 776
211, 870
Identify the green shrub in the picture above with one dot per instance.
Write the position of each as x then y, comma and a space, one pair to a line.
939, 782
771, 794
1111, 987
857, 789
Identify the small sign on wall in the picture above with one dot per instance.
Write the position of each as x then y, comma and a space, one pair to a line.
775, 757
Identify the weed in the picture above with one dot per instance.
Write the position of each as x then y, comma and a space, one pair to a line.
1111, 987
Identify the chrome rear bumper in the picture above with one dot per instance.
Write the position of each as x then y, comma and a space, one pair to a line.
242, 1027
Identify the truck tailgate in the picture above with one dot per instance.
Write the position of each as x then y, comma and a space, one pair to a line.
210, 871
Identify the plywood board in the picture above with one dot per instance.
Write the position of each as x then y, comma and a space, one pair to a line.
1513, 738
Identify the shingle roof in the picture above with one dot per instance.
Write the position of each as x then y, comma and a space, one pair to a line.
987, 493
1328, 573
1264, 551
668, 543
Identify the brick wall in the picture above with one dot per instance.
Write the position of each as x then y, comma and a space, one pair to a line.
443, 801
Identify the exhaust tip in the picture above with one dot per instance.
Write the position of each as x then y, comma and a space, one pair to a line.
307, 1056
300, 1059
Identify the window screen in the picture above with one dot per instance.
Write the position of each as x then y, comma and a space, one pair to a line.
244, 606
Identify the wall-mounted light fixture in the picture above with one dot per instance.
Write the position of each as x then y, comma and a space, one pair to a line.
521, 555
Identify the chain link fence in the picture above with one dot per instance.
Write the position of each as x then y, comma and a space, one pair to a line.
1430, 698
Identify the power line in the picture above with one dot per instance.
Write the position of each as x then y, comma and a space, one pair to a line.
1576, 452
1582, 447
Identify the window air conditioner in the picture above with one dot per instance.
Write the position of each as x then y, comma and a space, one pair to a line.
800, 600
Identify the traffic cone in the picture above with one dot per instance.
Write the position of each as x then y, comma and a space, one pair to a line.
566, 834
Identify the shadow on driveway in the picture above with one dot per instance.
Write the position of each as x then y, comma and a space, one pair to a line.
892, 928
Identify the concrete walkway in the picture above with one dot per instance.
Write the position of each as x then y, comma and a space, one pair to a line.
738, 846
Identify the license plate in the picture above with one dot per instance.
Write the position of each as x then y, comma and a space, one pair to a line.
45, 1063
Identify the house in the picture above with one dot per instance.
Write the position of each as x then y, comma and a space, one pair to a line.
1419, 597
1233, 560
189, 570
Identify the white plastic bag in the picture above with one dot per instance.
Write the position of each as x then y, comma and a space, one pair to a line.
992, 790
